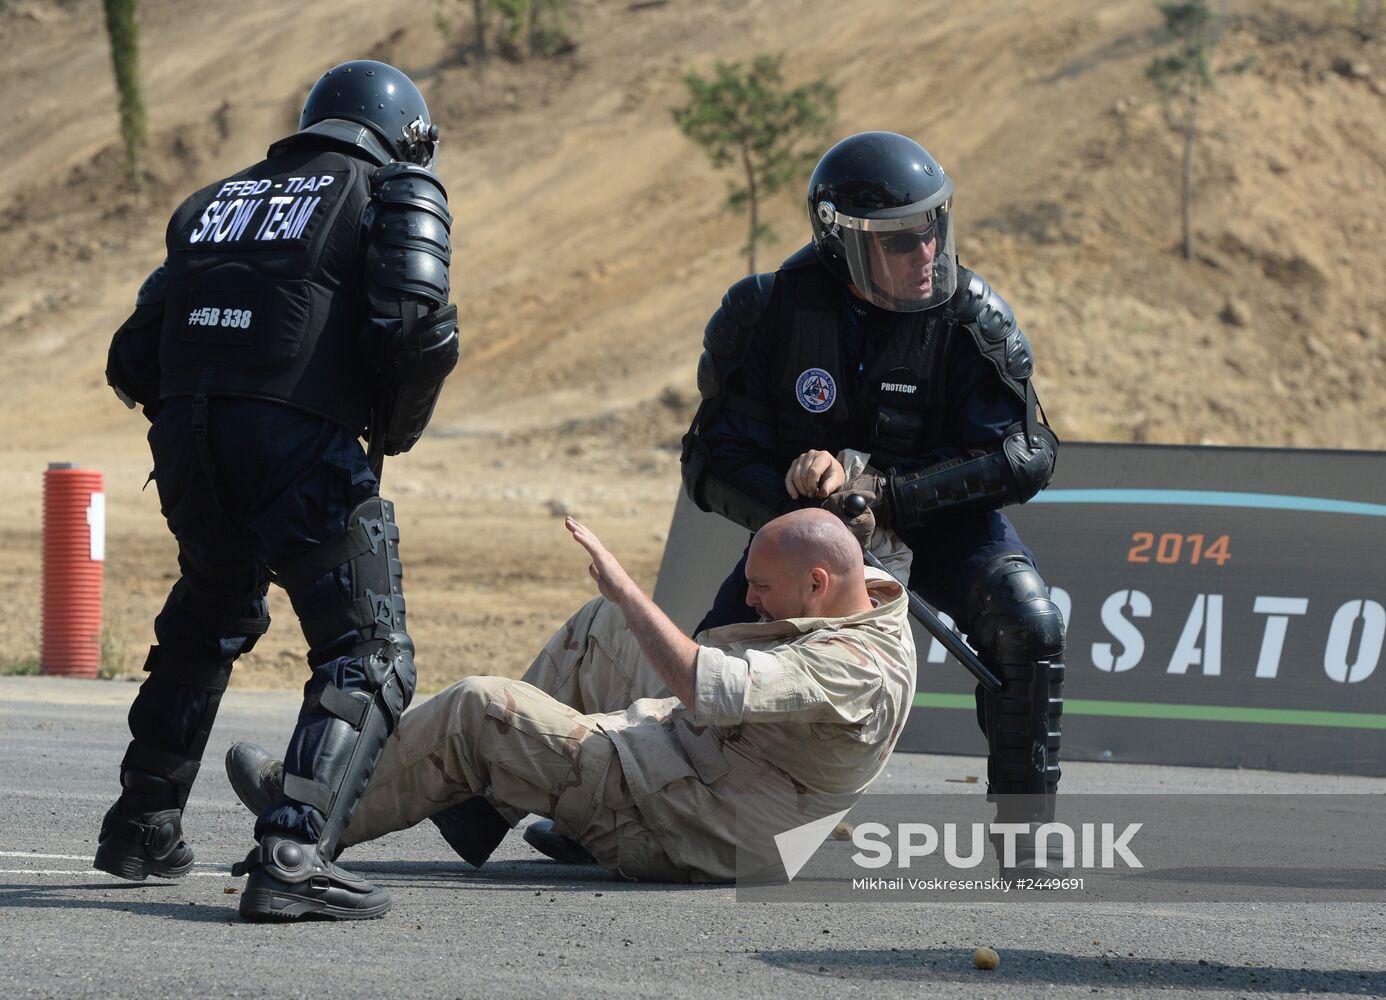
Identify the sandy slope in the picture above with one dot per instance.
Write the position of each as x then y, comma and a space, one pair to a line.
593, 243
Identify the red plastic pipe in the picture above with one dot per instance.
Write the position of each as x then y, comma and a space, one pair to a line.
74, 556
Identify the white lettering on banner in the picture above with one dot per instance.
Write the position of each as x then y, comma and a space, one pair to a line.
1335, 657
96, 525
1356, 638
1208, 624
1122, 630
1277, 610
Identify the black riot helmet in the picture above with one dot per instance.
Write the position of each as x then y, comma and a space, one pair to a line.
380, 97
881, 210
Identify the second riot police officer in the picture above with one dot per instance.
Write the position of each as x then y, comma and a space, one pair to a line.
303, 304
873, 339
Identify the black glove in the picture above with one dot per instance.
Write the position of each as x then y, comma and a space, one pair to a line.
861, 504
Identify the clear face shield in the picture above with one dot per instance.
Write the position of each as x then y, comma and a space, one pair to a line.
902, 264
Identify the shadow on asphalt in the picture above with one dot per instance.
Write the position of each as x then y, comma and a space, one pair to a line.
40, 896
515, 875
1025, 967
1357, 880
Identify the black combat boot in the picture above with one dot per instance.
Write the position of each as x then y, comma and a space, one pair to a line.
142, 833
289, 879
256, 776
541, 836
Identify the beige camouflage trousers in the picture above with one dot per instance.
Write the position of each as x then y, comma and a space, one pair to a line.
529, 746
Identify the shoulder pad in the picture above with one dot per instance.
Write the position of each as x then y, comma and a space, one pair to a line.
412, 185
802, 257
154, 287
742, 307
977, 303
994, 328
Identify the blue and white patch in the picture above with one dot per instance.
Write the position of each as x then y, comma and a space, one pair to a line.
816, 390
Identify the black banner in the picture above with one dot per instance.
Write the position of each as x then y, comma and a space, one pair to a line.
1226, 606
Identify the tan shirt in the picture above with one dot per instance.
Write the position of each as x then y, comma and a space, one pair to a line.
792, 709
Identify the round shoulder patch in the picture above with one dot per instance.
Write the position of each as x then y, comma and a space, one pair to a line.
816, 390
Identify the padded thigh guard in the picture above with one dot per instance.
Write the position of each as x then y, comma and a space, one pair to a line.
1019, 631
410, 247
361, 719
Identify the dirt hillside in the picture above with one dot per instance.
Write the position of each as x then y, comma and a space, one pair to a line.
592, 243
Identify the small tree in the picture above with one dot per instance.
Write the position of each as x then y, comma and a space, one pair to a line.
522, 28
1368, 16
1181, 77
749, 117
123, 30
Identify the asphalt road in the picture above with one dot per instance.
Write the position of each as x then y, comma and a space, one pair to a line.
525, 926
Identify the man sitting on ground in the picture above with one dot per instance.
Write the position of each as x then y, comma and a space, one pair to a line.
636, 740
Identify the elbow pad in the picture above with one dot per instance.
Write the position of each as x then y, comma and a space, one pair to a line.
711, 493
417, 362
1013, 474
132, 363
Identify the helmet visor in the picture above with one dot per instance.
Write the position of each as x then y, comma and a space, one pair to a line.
903, 264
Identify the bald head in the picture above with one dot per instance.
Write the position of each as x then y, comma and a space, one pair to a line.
813, 536
805, 564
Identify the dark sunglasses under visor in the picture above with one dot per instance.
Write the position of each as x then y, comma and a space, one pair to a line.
908, 242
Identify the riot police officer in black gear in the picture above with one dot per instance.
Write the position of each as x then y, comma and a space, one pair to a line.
873, 338
303, 305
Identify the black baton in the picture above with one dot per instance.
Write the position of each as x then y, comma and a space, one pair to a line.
962, 652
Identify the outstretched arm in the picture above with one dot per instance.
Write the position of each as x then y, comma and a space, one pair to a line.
673, 655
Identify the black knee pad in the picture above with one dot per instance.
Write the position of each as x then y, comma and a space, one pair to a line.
390, 679
1019, 632
1010, 616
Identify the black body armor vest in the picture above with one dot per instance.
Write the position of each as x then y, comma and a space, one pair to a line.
894, 407
264, 284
